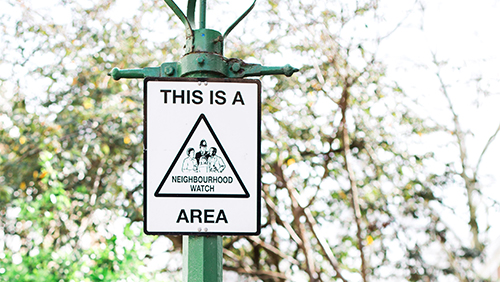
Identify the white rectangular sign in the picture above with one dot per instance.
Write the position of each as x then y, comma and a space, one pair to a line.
202, 156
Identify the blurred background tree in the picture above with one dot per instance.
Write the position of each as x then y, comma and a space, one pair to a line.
71, 152
349, 193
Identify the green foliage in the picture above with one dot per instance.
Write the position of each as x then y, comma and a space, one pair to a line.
71, 152
310, 176
347, 197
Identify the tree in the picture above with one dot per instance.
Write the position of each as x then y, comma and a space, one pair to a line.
347, 185
347, 196
462, 91
71, 148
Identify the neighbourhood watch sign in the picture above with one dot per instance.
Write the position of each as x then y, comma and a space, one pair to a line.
207, 172
202, 156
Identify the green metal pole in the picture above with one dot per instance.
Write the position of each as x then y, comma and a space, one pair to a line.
202, 258
202, 255
203, 14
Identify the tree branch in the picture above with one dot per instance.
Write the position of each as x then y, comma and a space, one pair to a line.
484, 150
352, 179
272, 249
259, 273
469, 182
297, 212
323, 244
285, 224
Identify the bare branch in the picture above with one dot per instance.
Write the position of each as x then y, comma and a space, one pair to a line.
343, 104
285, 224
258, 273
398, 25
323, 244
460, 136
485, 149
306, 244
272, 249
321, 240
297, 212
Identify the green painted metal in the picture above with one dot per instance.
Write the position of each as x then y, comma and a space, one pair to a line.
178, 12
202, 258
239, 19
202, 65
202, 255
190, 11
116, 73
203, 14
207, 46
206, 40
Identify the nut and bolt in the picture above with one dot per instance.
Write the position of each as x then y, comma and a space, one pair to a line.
236, 67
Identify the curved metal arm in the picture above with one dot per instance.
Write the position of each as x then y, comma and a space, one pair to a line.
239, 19
189, 20
190, 11
178, 12
203, 13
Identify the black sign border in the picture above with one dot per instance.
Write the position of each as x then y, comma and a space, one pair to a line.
259, 164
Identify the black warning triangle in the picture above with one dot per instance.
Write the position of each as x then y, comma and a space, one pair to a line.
199, 177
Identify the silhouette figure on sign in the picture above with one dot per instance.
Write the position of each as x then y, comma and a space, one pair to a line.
190, 164
203, 161
215, 163
202, 157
